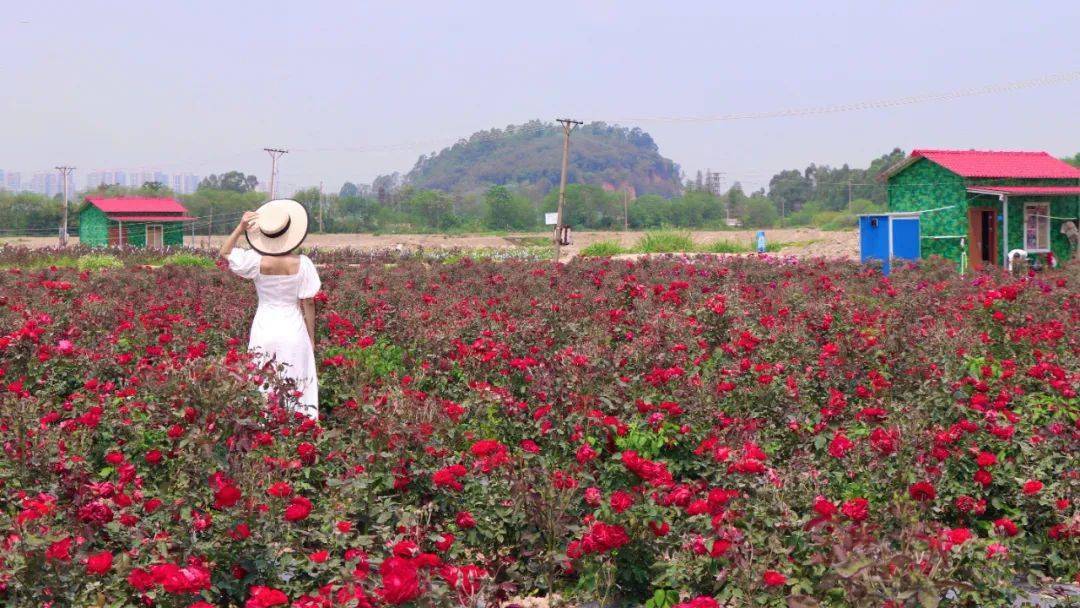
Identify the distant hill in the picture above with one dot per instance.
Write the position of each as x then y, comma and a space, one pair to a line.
530, 156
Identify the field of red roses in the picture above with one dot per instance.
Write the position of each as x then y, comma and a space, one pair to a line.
728, 431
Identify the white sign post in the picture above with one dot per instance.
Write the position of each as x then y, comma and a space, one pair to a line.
550, 219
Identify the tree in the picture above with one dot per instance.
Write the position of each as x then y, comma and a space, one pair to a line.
508, 211
434, 209
155, 189
587, 206
349, 189
233, 180
790, 190
760, 212
735, 200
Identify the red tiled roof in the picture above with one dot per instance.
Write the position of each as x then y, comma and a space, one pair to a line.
148, 218
986, 163
135, 204
1028, 190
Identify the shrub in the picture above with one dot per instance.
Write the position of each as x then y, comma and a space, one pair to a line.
742, 430
188, 259
665, 241
602, 249
98, 261
723, 246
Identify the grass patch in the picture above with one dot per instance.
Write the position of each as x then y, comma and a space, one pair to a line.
187, 259
529, 241
602, 249
723, 246
666, 241
98, 261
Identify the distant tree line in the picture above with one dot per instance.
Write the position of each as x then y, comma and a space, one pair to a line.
819, 194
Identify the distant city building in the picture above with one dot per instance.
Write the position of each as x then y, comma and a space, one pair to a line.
180, 183
13, 181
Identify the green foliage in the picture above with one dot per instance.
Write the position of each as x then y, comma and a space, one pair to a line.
723, 246
508, 211
226, 206
602, 249
760, 213
528, 155
831, 188
98, 261
666, 241
234, 181
587, 207
188, 259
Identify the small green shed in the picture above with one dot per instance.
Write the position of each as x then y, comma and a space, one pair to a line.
131, 221
988, 203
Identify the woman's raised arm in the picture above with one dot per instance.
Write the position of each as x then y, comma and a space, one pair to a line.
247, 221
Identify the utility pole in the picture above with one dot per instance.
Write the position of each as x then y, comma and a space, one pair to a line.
275, 153
568, 125
320, 206
65, 171
210, 227
849, 196
626, 210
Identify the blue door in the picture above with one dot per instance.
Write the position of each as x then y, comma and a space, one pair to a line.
874, 240
905, 238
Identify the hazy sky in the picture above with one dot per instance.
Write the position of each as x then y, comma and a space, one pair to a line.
356, 89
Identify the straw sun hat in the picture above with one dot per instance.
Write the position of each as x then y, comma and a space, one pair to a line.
280, 227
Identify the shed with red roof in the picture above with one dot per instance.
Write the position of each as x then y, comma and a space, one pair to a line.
987, 203
132, 221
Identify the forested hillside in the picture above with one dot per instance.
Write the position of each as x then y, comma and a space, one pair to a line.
529, 157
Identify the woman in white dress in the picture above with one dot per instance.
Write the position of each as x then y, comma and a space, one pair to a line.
283, 330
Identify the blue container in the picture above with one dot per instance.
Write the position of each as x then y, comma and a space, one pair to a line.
887, 236
761, 241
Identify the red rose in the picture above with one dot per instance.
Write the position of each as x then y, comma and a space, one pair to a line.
227, 496
153, 457
60, 551
621, 501
824, 507
264, 597
772, 578
445, 542
140, 579
660, 529
922, 491
400, 582
1032, 487
465, 520
985, 459
1007, 526
307, 452
299, 508
344, 527
319, 556
99, 563
279, 489
856, 509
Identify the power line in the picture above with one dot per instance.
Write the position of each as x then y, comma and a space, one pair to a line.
1042, 81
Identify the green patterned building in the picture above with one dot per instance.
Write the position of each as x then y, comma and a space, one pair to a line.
988, 203
130, 221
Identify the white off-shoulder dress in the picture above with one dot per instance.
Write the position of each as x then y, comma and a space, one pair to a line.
278, 332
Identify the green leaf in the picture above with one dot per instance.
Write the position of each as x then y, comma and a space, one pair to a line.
928, 598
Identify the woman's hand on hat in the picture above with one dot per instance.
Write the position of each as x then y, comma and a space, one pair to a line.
247, 222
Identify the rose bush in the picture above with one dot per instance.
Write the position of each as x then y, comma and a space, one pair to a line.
717, 432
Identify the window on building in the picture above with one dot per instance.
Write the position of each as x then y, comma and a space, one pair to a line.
1037, 227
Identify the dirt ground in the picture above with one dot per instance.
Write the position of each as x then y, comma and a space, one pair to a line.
804, 242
